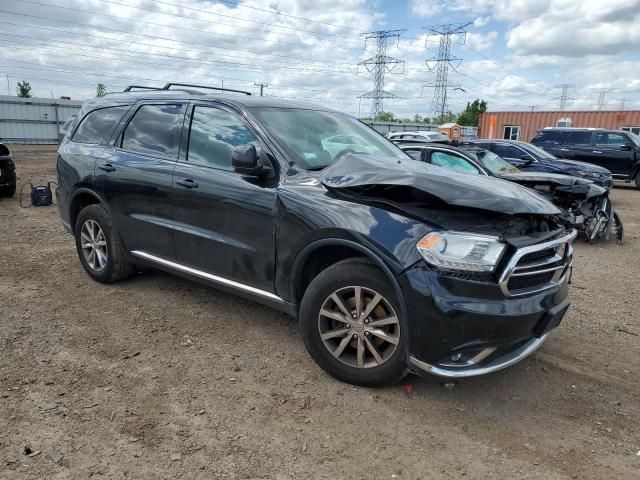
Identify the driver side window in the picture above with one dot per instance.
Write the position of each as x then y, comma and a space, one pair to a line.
452, 162
213, 135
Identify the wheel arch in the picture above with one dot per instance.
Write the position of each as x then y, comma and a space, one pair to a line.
81, 198
306, 267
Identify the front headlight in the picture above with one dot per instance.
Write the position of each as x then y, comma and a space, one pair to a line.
461, 251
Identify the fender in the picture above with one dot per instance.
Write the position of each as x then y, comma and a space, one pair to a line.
93, 193
635, 168
377, 260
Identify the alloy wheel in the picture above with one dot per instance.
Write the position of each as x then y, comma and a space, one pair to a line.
359, 327
94, 245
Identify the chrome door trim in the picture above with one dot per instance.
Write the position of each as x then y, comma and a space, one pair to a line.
207, 276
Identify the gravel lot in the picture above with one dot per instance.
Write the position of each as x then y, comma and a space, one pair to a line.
159, 377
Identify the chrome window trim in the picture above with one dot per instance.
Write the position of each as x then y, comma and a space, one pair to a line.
558, 277
207, 276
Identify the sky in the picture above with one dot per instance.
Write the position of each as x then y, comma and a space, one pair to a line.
514, 55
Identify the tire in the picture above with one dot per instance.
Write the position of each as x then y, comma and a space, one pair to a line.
324, 336
111, 264
8, 190
637, 180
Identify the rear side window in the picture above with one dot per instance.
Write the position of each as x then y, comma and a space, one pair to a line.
579, 138
97, 125
155, 130
507, 151
610, 139
554, 136
452, 162
213, 135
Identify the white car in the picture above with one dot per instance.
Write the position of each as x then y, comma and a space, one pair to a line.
420, 136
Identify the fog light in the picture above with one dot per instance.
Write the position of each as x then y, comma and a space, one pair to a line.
456, 356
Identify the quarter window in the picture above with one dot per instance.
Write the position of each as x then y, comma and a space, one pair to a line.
97, 125
511, 132
213, 135
155, 130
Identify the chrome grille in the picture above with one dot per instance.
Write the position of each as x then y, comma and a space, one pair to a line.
537, 267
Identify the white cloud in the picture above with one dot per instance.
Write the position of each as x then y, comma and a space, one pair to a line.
481, 21
480, 41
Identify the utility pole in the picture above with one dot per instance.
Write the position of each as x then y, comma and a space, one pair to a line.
532, 107
8, 88
602, 92
262, 86
564, 97
622, 102
443, 61
379, 65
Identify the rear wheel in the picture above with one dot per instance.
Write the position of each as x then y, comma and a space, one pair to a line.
351, 324
638, 180
99, 247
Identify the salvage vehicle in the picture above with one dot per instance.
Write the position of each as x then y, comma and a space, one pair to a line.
616, 150
586, 204
529, 158
7, 173
390, 265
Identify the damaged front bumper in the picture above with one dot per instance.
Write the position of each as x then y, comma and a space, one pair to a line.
464, 325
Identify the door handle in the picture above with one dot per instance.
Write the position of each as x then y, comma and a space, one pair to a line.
187, 183
597, 151
107, 167
565, 150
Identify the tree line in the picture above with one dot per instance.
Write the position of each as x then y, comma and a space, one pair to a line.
467, 118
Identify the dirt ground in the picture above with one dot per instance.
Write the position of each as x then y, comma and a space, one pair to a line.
159, 377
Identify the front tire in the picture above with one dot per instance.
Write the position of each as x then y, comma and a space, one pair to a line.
637, 180
8, 190
99, 247
352, 325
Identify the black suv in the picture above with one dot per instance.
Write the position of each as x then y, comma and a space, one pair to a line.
390, 265
7, 173
616, 150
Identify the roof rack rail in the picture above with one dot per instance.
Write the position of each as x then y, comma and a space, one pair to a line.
141, 87
169, 85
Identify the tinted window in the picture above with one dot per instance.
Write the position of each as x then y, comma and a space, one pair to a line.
507, 151
214, 133
610, 139
452, 162
579, 138
155, 130
97, 125
549, 136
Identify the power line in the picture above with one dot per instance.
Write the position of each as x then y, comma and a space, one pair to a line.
155, 37
442, 62
379, 65
564, 97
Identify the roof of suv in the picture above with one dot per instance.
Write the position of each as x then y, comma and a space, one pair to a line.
577, 129
239, 100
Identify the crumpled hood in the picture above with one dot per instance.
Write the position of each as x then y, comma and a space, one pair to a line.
357, 172
553, 178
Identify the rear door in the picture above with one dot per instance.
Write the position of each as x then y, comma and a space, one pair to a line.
136, 178
610, 152
224, 221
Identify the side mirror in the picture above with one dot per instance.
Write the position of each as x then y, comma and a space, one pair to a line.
245, 160
626, 146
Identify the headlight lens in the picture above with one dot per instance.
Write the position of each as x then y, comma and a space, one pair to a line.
461, 251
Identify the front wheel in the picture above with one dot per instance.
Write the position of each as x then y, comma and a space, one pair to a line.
352, 326
638, 180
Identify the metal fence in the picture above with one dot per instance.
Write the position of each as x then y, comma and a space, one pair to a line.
34, 120
468, 133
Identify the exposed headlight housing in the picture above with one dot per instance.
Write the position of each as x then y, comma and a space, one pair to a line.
461, 251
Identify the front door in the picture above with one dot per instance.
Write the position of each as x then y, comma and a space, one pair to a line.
136, 178
224, 222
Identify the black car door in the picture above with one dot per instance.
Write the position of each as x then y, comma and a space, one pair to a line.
136, 178
224, 221
611, 153
578, 145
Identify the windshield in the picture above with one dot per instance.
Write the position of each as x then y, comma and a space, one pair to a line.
539, 152
634, 138
495, 164
316, 139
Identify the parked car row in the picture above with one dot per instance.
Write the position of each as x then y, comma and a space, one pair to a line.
390, 265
